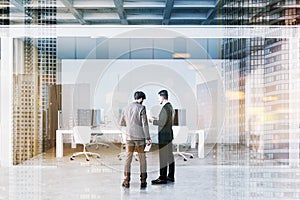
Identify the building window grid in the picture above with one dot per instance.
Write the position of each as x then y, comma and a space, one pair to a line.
276, 72
24, 92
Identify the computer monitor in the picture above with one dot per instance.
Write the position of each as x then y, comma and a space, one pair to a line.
90, 117
97, 117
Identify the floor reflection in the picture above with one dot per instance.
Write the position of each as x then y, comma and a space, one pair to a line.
49, 178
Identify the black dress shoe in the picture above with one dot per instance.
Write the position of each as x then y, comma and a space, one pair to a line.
171, 179
159, 181
143, 185
125, 184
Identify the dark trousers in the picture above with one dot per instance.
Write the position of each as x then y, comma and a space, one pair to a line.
166, 160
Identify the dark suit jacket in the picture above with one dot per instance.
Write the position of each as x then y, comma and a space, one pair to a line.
164, 123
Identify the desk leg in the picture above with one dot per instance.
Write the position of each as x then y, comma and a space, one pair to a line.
200, 144
193, 140
59, 144
73, 144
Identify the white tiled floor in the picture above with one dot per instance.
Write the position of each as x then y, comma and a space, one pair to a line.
48, 178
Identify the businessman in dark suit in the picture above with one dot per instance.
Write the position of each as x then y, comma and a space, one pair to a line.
165, 137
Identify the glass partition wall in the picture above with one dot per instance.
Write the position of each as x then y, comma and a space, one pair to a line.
235, 75
72, 74
242, 92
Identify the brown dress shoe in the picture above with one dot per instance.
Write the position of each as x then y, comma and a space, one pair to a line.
125, 184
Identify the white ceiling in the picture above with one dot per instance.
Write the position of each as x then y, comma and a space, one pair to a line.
125, 12
147, 12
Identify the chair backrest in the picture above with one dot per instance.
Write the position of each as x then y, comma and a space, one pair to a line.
180, 134
123, 135
82, 134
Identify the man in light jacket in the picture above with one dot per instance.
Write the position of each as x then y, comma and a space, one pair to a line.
137, 132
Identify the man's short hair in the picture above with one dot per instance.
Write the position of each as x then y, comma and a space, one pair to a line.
139, 94
163, 93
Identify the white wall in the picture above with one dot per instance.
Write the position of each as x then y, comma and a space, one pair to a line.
113, 82
6, 95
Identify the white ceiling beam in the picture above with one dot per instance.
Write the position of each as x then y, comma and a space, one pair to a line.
102, 16
250, 5
75, 12
188, 16
142, 31
194, 4
144, 16
61, 16
93, 4
128, 5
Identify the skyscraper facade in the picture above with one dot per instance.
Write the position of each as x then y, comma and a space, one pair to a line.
262, 81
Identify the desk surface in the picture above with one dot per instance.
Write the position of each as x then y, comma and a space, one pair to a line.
70, 131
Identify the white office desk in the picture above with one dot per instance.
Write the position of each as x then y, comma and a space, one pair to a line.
60, 136
60, 142
200, 135
109, 133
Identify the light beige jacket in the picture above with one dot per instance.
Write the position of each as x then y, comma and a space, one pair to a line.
135, 119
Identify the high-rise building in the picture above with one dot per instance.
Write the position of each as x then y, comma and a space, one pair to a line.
263, 93
32, 79
4, 12
264, 107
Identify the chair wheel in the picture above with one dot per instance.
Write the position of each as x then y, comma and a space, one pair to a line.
98, 156
87, 159
71, 158
184, 159
191, 157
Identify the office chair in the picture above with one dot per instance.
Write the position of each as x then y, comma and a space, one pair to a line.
95, 140
96, 122
82, 135
180, 138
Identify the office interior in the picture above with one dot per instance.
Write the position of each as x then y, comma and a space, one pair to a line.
235, 90
86, 81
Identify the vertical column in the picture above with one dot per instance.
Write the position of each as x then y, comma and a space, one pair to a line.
294, 104
200, 143
6, 126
